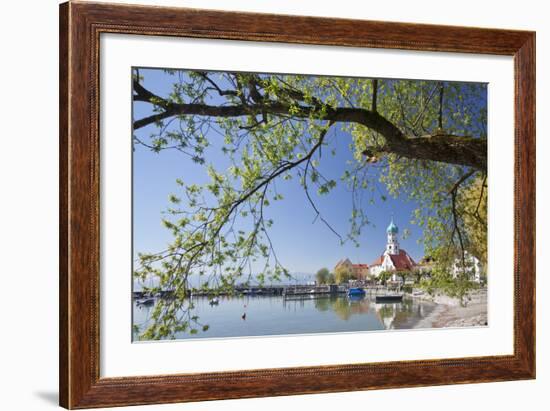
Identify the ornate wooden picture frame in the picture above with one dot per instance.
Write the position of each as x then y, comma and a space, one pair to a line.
81, 25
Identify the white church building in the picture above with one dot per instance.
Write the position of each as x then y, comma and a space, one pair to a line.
394, 258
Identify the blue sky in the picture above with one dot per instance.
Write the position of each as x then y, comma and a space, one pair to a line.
302, 245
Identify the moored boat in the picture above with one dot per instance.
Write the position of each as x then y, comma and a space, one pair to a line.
389, 298
146, 301
355, 292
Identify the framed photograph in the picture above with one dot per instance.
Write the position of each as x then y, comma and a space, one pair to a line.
259, 205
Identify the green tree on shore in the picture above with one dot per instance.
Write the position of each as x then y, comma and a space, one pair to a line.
322, 276
384, 276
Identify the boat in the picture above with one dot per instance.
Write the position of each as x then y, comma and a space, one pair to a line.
146, 301
389, 298
214, 301
356, 292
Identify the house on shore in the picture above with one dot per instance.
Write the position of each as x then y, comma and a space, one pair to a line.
472, 267
360, 271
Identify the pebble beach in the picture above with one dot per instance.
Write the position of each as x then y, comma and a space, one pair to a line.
450, 313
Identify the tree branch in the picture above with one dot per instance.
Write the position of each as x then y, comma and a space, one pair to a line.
374, 93
459, 150
440, 120
215, 85
456, 229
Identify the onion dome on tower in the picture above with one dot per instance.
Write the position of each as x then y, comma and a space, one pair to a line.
392, 228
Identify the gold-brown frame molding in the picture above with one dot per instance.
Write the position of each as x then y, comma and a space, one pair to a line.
81, 24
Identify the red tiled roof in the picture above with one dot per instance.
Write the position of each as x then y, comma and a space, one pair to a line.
378, 261
402, 261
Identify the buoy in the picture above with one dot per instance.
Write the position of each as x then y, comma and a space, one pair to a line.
243, 316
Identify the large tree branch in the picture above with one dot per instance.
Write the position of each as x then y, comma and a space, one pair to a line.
340, 114
456, 226
374, 93
460, 150
445, 148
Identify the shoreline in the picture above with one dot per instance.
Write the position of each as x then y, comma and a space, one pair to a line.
449, 313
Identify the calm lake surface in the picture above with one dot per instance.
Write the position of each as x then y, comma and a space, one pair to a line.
275, 315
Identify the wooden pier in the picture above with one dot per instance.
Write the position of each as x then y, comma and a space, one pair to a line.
287, 291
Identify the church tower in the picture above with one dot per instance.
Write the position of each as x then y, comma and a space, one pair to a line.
392, 246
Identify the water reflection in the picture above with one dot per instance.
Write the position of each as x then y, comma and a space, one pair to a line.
393, 315
344, 307
276, 315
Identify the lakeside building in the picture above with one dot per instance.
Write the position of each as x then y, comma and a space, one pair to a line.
394, 258
426, 265
472, 267
360, 271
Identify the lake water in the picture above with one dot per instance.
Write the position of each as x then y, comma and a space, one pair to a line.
275, 315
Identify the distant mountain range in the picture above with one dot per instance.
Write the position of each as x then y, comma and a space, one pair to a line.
296, 278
